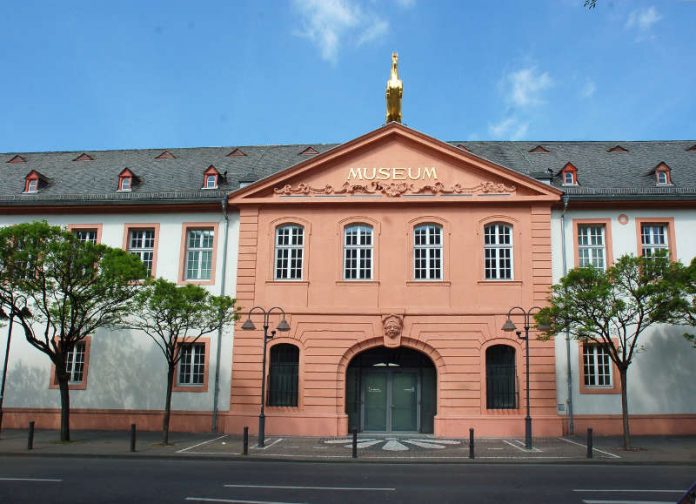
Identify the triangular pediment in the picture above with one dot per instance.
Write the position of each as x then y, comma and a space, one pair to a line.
395, 163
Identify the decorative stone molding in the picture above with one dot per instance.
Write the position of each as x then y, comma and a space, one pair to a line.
393, 326
394, 189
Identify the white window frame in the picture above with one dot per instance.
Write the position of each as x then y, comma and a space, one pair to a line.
568, 180
289, 252
362, 250
145, 251
597, 366
495, 249
199, 254
75, 363
125, 183
33, 185
208, 178
596, 250
191, 365
86, 234
431, 250
662, 174
654, 237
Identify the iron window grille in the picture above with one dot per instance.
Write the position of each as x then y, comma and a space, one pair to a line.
283, 375
501, 378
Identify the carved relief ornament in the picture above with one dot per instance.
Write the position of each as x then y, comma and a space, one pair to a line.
394, 189
393, 326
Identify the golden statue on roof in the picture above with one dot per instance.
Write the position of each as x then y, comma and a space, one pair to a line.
395, 91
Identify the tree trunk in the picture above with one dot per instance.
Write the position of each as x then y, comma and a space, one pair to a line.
167, 406
624, 409
64, 406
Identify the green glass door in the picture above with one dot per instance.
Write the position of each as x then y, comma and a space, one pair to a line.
404, 392
375, 401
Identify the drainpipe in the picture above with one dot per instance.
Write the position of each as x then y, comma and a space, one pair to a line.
216, 387
569, 373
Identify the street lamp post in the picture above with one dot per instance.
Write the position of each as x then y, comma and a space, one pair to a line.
4, 316
510, 326
283, 326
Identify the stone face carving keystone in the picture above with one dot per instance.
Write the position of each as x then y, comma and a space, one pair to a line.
393, 326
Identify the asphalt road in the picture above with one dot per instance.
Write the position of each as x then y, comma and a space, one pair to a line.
36, 480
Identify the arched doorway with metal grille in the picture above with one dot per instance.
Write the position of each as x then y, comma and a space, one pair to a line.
391, 390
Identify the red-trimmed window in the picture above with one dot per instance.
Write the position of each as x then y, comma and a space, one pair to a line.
76, 366
569, 175
192, 369
662, 175
31, 183
125, 180
211, 178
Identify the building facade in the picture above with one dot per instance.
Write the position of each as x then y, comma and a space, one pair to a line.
396, 258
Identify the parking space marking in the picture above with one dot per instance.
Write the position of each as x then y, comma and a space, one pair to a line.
626, 502
268, 445
33, 480
628, 490
201, 444
594, 449
238, 501
520, 446
294, 487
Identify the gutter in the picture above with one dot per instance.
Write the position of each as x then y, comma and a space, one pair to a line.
569, 372
218, 345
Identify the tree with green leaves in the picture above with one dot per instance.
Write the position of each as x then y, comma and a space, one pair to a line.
612, 308
683, 308
176, 317
60, 289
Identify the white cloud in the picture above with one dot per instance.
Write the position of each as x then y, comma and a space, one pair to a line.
643, 19
588, 90
328, 23
509, 128
525, 87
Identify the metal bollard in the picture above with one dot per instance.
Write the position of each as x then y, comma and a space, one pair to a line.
245, 442
471, 443
132, 437
355, 443
589, 442
30, 440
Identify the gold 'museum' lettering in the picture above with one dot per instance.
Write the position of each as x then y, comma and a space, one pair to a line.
398, 173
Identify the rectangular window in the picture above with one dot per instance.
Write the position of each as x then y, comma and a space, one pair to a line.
192, 364
199, 254
75, 363
497, 246
32, 185
210, 181
592, 245
653, 237
289, 248
357, 259
86, 235
427, 252
597, 365
141, 242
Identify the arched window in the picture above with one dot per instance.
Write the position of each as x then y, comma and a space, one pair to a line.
501, 392
497, 246
283, 372
357, 252
289, 252
427, 252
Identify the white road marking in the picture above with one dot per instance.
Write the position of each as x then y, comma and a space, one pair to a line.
365, 444
394, 445
631, 490
521, 448
33, 480
201, 444
438, 441
293, 487
268, 445
424, 444
238, 501
626, 502
593, 448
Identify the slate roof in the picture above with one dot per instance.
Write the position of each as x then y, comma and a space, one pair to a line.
602, 175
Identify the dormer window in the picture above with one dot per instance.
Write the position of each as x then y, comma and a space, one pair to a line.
33, 182
211, 178
662, 175
569, 175
126, 180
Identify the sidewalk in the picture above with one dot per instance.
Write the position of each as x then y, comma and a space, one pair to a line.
376, 448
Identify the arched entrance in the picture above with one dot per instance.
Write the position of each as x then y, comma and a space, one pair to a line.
391, 390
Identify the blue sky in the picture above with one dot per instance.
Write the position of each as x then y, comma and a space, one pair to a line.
81, 75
